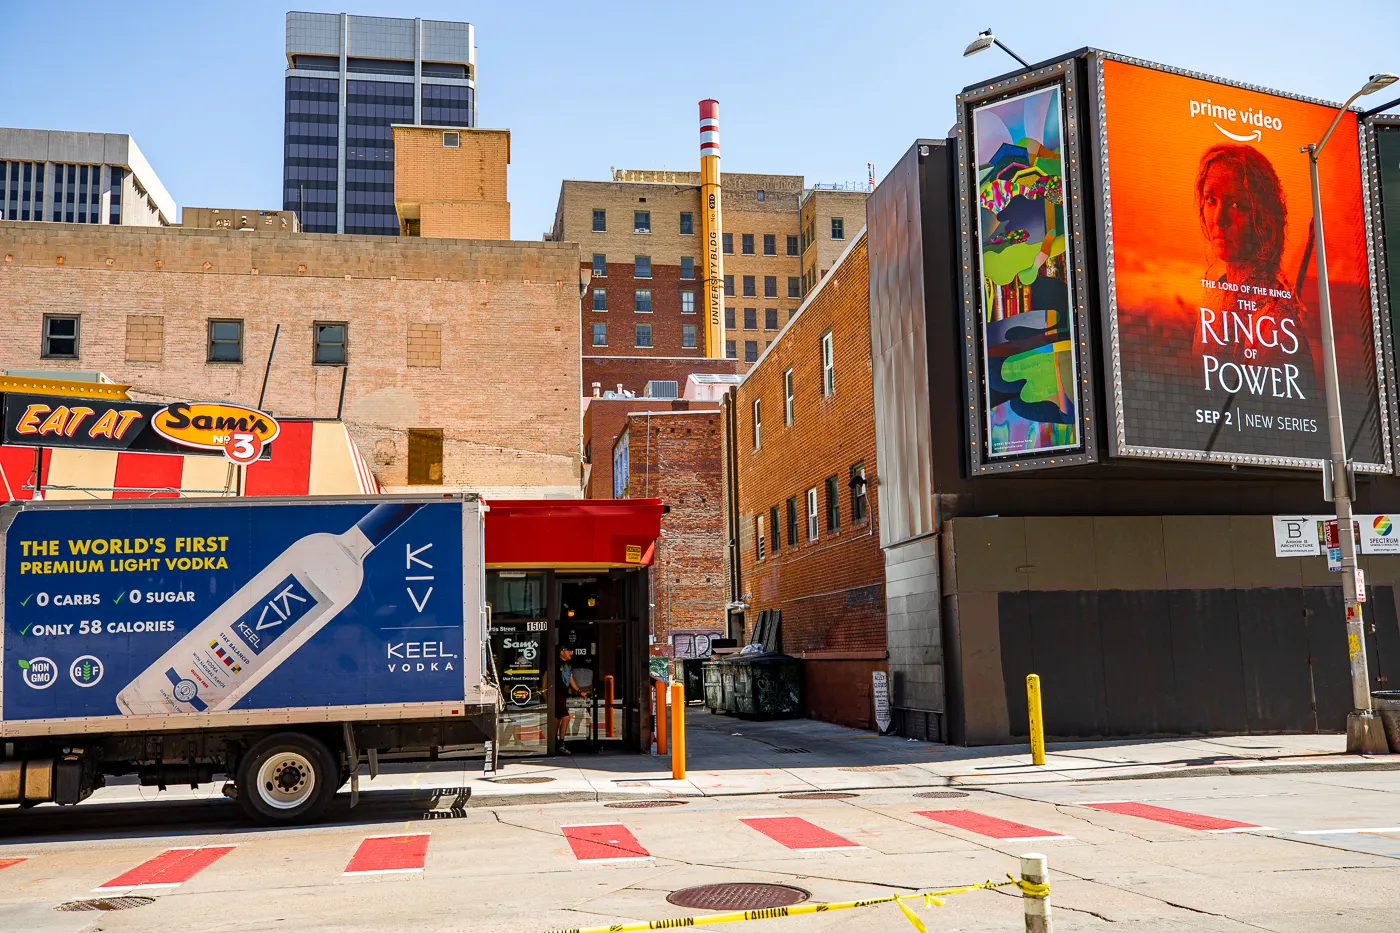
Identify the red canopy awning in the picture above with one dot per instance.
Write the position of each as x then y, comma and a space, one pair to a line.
572, 533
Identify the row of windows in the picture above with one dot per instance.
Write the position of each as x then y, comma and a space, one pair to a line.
62, 333
312, 88
642, 336
770, 318
398, 112
77, 192
831, 487
770, 244
641, 222
750, 350
789, 395
770, 286
305, 129
324, 108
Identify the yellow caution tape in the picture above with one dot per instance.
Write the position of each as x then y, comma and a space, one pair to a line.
930, 899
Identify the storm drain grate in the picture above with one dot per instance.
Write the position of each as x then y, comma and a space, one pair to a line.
645, 804
941, 794
817, 795
738, 896
107, 903
521, 780
871, 768
792, 751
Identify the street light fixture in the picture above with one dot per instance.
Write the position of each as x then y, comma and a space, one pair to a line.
985, 40
1364, 732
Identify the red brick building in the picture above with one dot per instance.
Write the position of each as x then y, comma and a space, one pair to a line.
674, 456
603, 420
806, 506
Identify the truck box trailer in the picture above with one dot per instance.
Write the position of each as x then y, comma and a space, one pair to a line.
279, 642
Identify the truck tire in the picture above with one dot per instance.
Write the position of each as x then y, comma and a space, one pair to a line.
286, 778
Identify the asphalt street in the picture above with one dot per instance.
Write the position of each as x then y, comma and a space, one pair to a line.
1278, 852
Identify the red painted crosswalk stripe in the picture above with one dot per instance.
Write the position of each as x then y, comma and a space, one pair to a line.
1211, 824
796, 833
604, 842
1005, 830
7, 862
170, 869
396, 854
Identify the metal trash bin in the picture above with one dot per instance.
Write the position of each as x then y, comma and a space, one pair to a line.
1387, 706
766, 686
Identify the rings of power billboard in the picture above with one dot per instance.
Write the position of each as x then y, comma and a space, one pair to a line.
1199, 199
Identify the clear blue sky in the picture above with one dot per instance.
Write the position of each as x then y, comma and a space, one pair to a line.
815, 88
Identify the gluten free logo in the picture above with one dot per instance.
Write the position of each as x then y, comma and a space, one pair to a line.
86, 671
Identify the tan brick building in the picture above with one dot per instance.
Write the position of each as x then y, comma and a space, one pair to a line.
458, 360
451, 182
674, 455
639, 237
830, 217
807, 511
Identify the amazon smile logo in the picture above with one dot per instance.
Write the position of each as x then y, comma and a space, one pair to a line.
1248, 124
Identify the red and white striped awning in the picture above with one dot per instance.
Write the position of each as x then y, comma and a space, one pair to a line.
309, 458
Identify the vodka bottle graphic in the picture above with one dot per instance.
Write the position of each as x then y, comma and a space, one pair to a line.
261, 625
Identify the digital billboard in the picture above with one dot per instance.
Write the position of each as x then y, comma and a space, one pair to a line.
1024, 308
1209, 284
1385, 132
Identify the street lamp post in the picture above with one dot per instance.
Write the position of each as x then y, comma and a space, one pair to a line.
985, 40
1364, 732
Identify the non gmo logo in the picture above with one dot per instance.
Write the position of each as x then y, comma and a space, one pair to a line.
1382, 525
39, 673
86, 671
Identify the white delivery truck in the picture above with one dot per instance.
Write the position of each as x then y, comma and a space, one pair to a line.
282, 642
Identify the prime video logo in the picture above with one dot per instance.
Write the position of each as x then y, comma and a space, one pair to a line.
1243, 119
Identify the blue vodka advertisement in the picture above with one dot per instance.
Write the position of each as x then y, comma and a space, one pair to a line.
158, 610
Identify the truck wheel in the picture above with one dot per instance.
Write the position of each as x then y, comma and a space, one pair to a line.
286, 778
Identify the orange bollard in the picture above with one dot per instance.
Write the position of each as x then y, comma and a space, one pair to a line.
678, 731
660, 717
608, 707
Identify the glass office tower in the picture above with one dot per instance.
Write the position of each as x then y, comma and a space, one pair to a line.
350, 78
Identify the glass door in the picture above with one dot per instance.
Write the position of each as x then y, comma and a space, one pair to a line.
520, 651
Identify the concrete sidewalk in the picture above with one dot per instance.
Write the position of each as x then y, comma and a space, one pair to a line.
729, 756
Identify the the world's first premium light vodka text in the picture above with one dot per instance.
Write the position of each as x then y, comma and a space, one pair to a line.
261, 625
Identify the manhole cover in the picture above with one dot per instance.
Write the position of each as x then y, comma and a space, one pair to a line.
871, 768
106, 903
940, 794
521, 780
645, 804
740, 896
817, 795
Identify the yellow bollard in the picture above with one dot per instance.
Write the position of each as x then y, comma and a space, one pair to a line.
678, 731
1037, 721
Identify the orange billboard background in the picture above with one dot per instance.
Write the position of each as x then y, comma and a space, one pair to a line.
1168, 271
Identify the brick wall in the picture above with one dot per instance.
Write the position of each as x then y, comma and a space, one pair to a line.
453, 191
675, 456
603, 421
831, 590
505, 315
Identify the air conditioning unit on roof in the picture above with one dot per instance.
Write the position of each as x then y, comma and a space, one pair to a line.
663, 388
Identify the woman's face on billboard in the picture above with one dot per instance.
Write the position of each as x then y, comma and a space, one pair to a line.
1226, 214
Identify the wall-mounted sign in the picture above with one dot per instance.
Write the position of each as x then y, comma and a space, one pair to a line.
1209, 284
1312, 535
138, 427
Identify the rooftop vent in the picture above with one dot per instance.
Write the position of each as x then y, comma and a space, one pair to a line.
663, 388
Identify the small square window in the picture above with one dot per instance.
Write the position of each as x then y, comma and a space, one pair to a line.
794, 286
687, 223
600, 266
770, 318
792, 246
750, 288
747, 244
838, 228
728, 242
770, 244
729, 286
760, 195
687, 302
750, 319
600, 335
451, 140
687, 267
643, 302
688, 336
644, 335
641, 267
60, 337
770, 286
728, 318
225, 341
600, 299
600, 221
330, 343
641, 221
729, 352
750, 351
